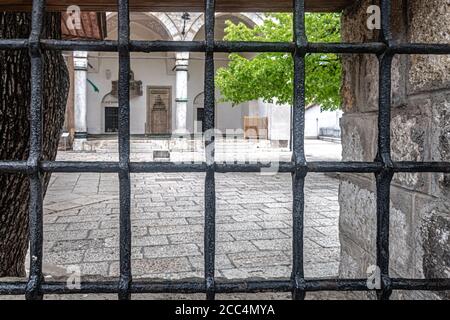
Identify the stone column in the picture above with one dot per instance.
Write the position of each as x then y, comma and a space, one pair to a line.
181, 68
80, 63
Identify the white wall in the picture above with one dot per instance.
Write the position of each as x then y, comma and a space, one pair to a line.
150, 72
314, 120
312, 115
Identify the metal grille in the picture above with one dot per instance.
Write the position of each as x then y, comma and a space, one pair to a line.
383, 167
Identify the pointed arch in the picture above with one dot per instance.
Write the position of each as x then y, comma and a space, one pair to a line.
158, 23
251, 19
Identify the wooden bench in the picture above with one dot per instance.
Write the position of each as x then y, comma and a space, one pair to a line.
256, 127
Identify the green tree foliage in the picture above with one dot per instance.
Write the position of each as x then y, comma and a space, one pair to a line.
269, 76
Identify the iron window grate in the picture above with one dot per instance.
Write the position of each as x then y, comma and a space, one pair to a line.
383, 167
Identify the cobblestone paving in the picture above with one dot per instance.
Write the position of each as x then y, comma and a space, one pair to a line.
253, 225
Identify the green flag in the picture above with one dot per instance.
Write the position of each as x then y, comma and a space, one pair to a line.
93, 86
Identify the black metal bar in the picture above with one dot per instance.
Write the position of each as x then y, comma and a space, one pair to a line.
13, 44
384, 177
354, 48
298, 151
233, 46
383, 182
421, 284
254, 46
286, 167
407, 166
142, 167
210, 192
386, 33
76, 166
18, 166
283, 167
35, 280
420, 48
225, 286
124, 150
384, 112
80, 45
163, 46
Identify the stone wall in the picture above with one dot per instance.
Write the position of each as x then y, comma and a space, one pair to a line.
420, 203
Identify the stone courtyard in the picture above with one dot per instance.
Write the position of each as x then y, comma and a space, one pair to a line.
253, 222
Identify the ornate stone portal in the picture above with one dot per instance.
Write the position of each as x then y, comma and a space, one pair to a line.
159, 110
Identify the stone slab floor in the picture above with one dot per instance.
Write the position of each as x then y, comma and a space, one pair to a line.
253, 224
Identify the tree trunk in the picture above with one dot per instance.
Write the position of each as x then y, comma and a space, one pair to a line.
14, 129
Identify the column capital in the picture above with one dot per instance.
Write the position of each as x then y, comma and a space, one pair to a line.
181, 64
80, 60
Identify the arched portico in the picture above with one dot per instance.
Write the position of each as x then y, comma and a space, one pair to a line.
181, 74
